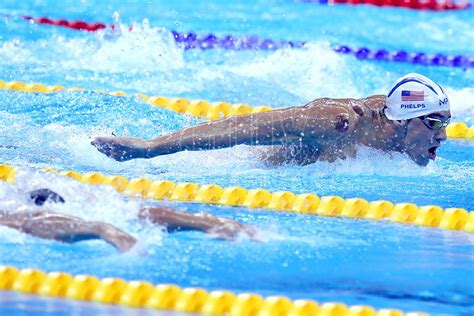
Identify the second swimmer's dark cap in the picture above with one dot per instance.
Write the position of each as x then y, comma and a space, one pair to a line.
42, 195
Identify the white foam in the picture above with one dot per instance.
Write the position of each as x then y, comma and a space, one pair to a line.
15, 52
315, 70
243, 161
435, 33
10, 235
369, 161
77, 143
141, 49
87, 201
11, 199
462, 106
240, 159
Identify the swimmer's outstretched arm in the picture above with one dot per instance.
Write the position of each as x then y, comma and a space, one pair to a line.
65, 228
174, 220
285, 126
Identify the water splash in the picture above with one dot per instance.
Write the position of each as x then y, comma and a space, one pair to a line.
313, 71
462, 107
101, 202
141, 48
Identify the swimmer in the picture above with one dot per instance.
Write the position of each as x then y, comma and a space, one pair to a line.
411, 119
70, 229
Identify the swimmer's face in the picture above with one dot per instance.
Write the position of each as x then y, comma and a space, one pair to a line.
421, 141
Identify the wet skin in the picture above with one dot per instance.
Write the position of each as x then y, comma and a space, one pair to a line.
66, 228
324, 129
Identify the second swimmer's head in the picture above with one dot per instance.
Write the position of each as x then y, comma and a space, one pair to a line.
40, 196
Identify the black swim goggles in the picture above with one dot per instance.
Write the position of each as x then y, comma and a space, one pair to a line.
434, 122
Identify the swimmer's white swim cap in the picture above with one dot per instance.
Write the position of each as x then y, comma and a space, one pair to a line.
415, 95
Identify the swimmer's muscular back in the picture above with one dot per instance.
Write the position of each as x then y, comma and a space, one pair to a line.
328, 129
327, 117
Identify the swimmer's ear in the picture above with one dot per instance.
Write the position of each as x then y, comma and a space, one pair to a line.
405, 122
401, 122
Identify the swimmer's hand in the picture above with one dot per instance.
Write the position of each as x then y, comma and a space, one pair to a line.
228, 229
116, 237
219, 227
121, 148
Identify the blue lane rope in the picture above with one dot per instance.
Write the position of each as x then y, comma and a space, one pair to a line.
211, 41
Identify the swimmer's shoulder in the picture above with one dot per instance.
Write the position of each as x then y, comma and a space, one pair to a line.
316, 103
375, 102
362, 112
368, 107
350, 112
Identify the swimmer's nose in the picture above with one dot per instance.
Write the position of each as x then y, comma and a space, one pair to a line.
441, 134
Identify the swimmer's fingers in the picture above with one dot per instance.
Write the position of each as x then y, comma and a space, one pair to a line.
108, 147
102, 141
102, 145
121, 148
225, 231
252, 233
231, 231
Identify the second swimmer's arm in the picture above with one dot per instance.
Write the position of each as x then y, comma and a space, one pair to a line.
66, 228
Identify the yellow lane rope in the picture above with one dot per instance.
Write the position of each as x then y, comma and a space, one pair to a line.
142, 294
201, 108
306, 203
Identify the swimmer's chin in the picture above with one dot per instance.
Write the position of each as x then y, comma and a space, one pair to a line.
423, 161
420, 159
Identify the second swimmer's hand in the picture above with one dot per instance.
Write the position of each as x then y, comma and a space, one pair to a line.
117, 238
121, 148
231, 230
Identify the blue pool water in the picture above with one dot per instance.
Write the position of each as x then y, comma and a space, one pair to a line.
327, 259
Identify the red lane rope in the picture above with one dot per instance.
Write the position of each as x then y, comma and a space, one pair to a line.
431, 5
76, 25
